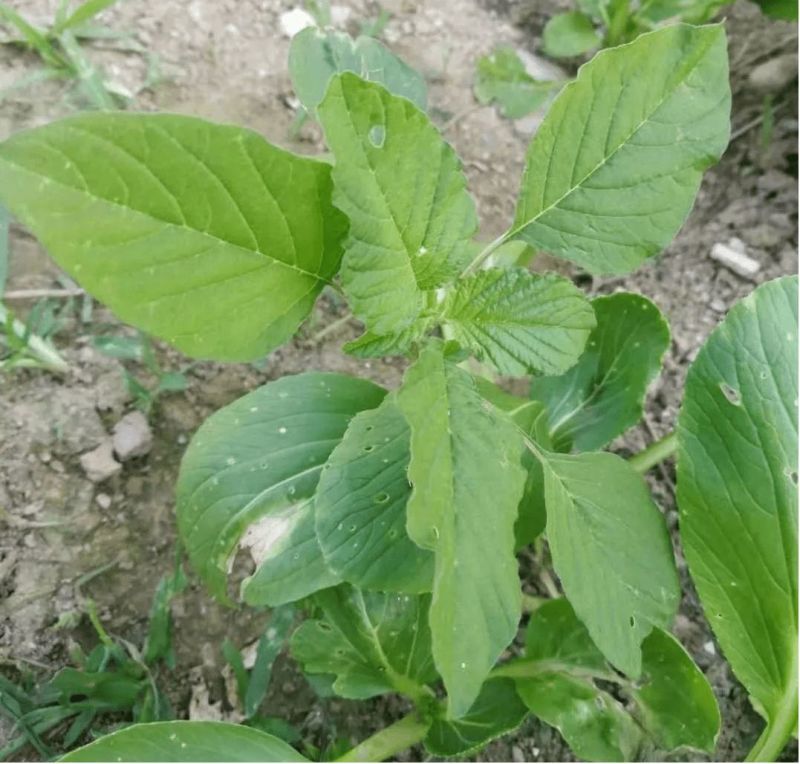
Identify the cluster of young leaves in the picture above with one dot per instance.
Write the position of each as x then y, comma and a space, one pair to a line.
606, 23
399, 512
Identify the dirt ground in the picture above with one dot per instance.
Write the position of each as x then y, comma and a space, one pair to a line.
226, 60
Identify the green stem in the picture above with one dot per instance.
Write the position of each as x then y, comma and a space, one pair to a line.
390, 741
655, 453
484, 254
331, 327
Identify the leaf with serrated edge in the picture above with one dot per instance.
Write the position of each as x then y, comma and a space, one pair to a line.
254, 466
373, 643
360, 506
614, 168
202, 234
467, 483
602, 395
370, 345
401, 186
520, 321
611, 550
186, 741
737, 494
496, 711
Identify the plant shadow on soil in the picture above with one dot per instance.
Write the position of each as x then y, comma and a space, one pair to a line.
227, 61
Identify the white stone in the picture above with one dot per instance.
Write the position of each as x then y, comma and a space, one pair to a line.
735, 260
100, 464
132, 436
294, 21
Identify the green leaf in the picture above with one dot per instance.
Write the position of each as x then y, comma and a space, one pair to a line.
401, 185
602, 396
614, 168
269, 646
611, 550
501, 78
185, 741
569, 34
677, 703
520, 321
370, 345
737, 495
256, 463
689, 11
316, 55
373, 643
779, 9
173, 223
360, 506
496, 711
465, 458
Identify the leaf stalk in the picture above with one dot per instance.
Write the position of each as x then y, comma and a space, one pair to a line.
408, 731
655, 453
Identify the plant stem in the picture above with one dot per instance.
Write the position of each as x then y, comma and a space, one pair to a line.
655, 453
484, 254
390, 741
531, 603
332, 327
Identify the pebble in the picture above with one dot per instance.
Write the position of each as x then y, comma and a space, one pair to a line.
132, 436
733, 257
774, 75
103, 500
100, 464
294, 21
709, 648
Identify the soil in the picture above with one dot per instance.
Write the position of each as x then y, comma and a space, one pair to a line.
226, 60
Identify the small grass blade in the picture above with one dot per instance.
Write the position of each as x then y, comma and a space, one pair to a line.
89, 77
85, 12
32, 36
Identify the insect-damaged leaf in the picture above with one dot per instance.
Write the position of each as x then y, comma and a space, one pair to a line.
737, 494
614, 168
202, 234
520, 321
186, 741
401, 185
361, 506
602, 395
255, 464
467, 484
611, 550
373, 643
496, 711
316, 55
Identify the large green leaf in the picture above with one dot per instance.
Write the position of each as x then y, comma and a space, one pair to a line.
401, 185
186, 741
614, 168
611, 551
496, 711
360, 506
373, 643
501, 77
779, 9
467, 483
737, 494
316, 55
256, 463
520, 321
602, 396
557, 679
202, 234
569, 34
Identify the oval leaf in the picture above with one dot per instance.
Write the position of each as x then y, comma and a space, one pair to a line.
737, 494
613, 171
256, 463
186, 741
520, 321
173, 223
602, 396
569, 34
361, 506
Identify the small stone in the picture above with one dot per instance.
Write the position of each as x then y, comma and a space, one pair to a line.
517, 754
132, 436
709, 648
294, 21
718, 306
734, 259
103, 500
340, 15
774, 75
100, 464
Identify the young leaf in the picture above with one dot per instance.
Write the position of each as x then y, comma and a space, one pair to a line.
467, 483
360, 506
737, 495
370, 345
496, 711
602, 396
185, 741
256, 463
501, 77
316, 55
614, 168
611, 551
373, 643
173, 223
401, 185
520, 321
569, 34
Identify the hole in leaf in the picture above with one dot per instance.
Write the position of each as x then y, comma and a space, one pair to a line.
322, 626
732, 395
633, 622
377, 135
369, 448
381, 498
